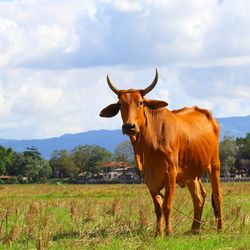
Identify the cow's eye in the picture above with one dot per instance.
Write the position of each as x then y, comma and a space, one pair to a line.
139, 104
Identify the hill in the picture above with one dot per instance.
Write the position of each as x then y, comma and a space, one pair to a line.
235, 126
104, 138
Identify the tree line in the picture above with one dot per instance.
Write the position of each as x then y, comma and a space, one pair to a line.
30, 166
235, 156
87, 160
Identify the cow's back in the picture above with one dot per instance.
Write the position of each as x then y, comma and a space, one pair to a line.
197, 122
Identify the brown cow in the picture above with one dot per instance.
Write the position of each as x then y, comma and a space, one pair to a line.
171, 147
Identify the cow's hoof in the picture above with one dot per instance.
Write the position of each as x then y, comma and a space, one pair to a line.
192, 232
195, 231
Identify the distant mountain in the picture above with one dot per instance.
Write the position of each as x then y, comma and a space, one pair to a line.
235, 126
104, 138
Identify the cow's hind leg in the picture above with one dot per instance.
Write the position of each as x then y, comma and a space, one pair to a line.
198, 194
158, 201
214, 176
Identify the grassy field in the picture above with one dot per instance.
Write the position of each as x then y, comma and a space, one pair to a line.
114, 217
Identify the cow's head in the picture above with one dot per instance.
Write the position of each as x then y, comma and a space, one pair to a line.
132, 104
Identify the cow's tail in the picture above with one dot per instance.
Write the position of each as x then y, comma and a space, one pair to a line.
214, 207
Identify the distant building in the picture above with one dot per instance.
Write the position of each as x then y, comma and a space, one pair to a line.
119, 171
7, 178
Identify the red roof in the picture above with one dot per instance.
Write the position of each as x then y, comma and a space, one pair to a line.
5, 177
112, 164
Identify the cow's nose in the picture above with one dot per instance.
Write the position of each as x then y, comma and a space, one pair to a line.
128, 127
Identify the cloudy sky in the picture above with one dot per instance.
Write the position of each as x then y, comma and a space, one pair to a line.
55, 55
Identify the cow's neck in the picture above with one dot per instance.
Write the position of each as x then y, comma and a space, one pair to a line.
150, 136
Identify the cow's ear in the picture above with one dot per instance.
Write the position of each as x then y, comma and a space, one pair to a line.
154, 104
110, 110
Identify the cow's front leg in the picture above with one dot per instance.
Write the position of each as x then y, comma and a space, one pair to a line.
168, 199
158, 201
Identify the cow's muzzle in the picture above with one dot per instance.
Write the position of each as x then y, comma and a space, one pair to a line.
129, 129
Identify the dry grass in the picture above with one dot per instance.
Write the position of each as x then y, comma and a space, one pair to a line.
109, 216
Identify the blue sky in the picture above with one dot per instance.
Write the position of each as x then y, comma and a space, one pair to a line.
55, 55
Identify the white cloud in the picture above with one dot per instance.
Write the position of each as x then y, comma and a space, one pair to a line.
49, 37
124, 32
55, 56
125, 5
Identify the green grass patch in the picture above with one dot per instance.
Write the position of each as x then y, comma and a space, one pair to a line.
114, 217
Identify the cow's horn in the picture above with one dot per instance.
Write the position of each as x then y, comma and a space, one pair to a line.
152, 85
113, 88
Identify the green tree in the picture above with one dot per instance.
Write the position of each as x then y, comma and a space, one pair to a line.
243, 156
124, 152
228, 153
6, 159
89, 157
35, 166
62, 164
30, 164
45, 170
244, 146
18, 165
